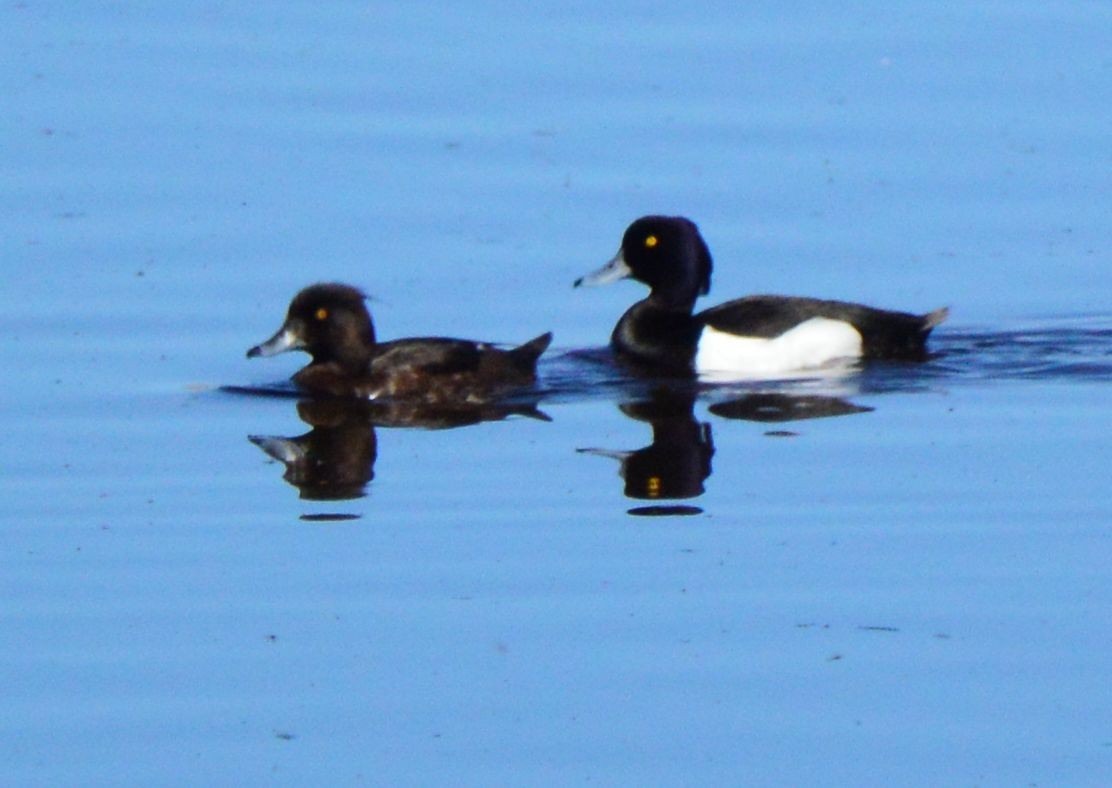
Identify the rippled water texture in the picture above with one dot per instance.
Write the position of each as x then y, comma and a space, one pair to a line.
898, 575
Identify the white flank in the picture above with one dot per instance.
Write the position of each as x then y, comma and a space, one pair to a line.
812, 344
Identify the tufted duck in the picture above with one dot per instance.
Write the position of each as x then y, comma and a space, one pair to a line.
331, 323
761, 335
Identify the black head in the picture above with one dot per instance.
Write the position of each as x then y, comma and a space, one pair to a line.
669, 255
328, 321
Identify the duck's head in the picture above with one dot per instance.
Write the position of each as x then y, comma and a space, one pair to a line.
667, 253
330, 322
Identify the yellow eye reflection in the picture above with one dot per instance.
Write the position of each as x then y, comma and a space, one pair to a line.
651, 241
321, 314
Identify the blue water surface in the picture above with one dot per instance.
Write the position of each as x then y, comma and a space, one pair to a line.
897, 576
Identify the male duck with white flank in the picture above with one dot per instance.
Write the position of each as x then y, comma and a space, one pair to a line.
331, 323
757, 336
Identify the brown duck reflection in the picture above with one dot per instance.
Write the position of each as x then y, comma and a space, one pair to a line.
335, 459
678, 461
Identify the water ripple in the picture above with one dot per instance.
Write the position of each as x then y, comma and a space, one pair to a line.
1065, 350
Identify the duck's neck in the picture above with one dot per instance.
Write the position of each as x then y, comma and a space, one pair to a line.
352, 360
350, 349
658, 335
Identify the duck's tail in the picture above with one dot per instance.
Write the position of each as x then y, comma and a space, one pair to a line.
932, 319
525, 356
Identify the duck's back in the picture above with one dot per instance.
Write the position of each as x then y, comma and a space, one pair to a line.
883, 333
438, 369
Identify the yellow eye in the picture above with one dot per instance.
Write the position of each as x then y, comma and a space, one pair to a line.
652, 486
651, 241
321, 314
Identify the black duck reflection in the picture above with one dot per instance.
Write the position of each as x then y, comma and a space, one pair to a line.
676, 465
335, 460
777, 407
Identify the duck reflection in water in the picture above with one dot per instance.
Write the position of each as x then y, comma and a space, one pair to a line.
335, 459
678, 461
775, 406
